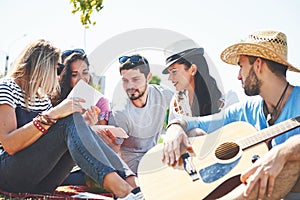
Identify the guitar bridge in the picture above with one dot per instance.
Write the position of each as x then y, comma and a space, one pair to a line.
189, 167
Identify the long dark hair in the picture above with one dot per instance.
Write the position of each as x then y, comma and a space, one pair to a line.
207, 98
65, 77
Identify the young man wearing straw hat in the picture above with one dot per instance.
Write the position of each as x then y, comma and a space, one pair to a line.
262, 58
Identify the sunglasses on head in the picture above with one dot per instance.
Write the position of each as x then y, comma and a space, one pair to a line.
66, 53
60, 68
132, 59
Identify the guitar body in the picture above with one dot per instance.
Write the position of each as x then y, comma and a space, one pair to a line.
218, 163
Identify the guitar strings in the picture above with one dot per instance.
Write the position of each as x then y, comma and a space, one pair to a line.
225, 150
248, 141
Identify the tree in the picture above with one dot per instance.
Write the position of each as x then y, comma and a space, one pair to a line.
155, 80
86, 8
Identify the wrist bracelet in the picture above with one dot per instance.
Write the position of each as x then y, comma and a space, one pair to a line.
38, 125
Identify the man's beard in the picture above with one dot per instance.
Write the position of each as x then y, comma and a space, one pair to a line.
252, 84
140, 94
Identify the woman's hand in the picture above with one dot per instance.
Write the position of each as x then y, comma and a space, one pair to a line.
66, 108
91, 115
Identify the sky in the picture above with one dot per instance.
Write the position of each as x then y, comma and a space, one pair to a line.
213, 24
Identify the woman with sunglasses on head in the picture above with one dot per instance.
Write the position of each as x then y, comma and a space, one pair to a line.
76, 68
42, 143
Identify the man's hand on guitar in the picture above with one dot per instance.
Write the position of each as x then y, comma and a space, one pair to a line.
175, 140
263, 172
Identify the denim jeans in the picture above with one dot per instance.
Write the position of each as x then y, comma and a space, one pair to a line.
43, 165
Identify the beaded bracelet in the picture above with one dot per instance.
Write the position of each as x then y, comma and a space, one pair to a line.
37, 124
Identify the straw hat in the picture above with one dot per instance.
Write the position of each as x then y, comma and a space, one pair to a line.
180, 49
271, 45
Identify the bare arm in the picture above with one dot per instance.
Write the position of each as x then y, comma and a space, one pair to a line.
14, 140
266, 169
176, 140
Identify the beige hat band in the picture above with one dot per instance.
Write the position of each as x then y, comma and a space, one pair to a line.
279, 48
255, 38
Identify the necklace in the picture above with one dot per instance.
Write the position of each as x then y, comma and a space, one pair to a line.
274, 113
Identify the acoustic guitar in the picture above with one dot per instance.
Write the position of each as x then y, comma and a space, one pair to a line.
215, 167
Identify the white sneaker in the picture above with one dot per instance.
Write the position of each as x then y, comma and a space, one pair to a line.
135, 194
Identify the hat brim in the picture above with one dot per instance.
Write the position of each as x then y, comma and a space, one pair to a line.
231, 54
165, 71
185, 54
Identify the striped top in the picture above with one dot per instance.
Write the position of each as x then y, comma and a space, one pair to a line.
11, 94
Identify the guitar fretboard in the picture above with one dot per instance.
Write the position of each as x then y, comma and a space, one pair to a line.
270, 132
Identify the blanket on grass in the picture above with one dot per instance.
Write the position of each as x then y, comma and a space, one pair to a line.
62, 192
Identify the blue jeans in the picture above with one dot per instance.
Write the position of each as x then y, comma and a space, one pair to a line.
42, 166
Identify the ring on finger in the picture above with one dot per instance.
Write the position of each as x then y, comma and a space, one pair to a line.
76, 102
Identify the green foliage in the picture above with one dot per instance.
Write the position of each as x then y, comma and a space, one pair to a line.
166, 121
155, 80
96, 86
86, 8
93, 84
160, 140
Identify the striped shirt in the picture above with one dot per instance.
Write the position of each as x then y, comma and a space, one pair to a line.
11, 94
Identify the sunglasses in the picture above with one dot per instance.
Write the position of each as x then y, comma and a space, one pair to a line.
60, 68
132, 59
66, 53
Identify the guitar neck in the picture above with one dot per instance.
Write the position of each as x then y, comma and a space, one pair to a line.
268, 133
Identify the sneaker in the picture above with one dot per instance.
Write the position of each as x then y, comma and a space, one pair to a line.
135, 194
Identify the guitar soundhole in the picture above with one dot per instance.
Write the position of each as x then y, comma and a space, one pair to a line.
227, 150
